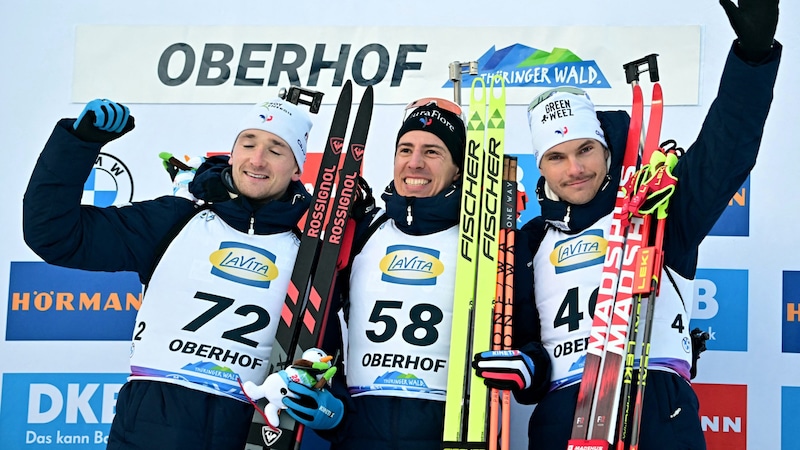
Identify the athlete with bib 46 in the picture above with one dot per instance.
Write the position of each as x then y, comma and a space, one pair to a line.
580, 154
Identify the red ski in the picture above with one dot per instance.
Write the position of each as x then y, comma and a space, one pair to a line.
596, 415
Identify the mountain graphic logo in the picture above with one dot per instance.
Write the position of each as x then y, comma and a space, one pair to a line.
523, 66
209, 368
395, 378
579, 363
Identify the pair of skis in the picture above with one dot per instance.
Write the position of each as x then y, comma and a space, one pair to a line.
325, 235
477, 265
631, 270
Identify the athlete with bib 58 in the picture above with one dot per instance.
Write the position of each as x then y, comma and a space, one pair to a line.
398, 291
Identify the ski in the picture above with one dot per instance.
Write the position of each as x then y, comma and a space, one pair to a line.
302, 320
261, 435
476, 266
315, 313
595, 421
456, 400
486, 277
500, 401
641, 286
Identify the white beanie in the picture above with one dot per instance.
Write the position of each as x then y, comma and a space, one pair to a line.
561, 115
283, 119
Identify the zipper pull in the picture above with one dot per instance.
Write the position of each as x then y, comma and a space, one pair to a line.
252, 230
409, 217
566, 217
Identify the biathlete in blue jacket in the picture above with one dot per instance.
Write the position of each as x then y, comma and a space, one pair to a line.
580, 174
398, 292
216, 275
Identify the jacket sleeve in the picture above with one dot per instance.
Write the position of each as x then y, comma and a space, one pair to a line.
719, 161
525, 321
65, 233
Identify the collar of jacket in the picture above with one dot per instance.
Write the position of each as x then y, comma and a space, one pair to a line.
421, 216
573, 219
273, 217
278, 215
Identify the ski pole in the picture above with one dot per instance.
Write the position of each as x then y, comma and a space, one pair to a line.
648, 144
510, 223
661, 187
501, 334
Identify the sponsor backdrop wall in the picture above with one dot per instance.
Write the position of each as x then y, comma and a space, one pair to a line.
189, 69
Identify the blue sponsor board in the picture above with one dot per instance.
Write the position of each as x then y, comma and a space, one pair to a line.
735, 220
791, 312
790, 417
57, 410
720, 308
527, 177
47, 302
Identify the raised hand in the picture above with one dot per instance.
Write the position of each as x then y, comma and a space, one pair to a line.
103, 121
754, 22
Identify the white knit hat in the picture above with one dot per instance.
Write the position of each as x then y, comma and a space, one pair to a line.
561, 115
283, 119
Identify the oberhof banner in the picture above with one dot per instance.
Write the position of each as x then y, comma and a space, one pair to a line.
219, 64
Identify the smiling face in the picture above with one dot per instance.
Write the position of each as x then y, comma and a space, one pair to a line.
575, 170
423, 166
263, 165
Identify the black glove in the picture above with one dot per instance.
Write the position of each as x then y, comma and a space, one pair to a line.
364, 202
212, 181
504, 369
103, 121
754, 22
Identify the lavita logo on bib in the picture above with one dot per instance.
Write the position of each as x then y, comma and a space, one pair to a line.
407, 264
242, 263
578, 252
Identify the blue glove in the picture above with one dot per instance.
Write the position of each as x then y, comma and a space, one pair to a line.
103, 121
754, 22
504, 369
317, 409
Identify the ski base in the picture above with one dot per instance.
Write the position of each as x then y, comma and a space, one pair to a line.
463, 445
591, 444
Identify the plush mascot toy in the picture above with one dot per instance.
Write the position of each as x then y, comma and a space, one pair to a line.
181, 171
314, 369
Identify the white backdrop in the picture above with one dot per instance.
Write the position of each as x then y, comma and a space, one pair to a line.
36, 89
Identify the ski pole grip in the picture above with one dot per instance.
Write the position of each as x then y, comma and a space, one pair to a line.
633, 68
